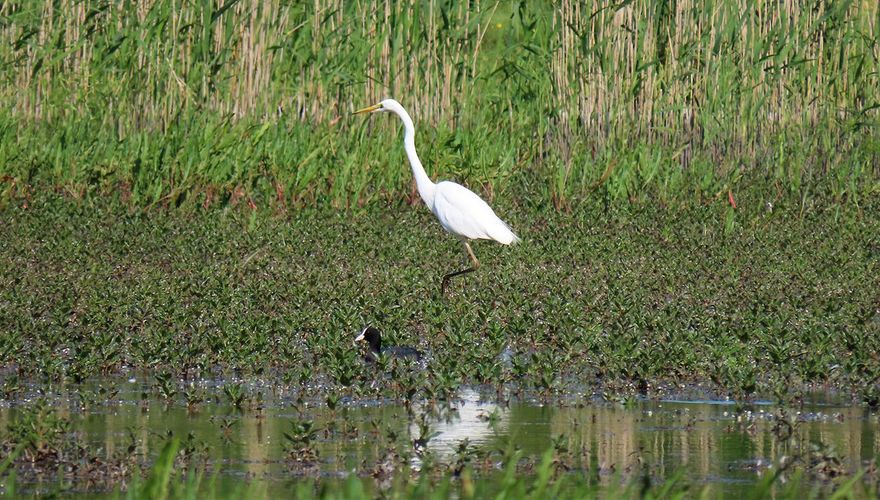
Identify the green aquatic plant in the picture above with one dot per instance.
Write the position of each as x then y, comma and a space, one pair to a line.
617, 307
194, 397
39, 432
236, 395
299, 442
166, 386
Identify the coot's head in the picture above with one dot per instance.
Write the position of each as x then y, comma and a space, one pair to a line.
373, 337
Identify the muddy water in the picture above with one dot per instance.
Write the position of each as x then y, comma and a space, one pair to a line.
710, 440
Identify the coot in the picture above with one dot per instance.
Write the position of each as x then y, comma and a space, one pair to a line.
373, 337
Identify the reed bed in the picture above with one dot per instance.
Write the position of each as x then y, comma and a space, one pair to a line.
175, 102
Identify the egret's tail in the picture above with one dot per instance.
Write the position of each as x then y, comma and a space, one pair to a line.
507, 236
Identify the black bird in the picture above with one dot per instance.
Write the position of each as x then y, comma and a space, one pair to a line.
374, 338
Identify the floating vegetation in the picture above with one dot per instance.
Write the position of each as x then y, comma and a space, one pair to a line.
238, 331
614, 303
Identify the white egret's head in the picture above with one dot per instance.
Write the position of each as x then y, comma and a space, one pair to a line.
386, 105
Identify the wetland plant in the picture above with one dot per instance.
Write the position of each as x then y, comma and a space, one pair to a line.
299, 442
236, 395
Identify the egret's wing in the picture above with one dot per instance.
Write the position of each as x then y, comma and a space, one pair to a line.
459, 210
463, 213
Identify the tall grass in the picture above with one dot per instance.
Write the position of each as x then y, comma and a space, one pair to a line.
174, 101
547, 480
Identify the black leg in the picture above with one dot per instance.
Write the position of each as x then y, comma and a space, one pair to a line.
475, 265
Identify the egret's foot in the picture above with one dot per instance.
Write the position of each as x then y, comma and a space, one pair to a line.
449, 276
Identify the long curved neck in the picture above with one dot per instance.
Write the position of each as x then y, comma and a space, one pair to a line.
423, 182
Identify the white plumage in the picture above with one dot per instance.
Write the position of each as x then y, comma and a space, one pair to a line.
459, 210
464, 214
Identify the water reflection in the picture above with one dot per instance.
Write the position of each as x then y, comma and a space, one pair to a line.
471, 418
712, 442
709, 440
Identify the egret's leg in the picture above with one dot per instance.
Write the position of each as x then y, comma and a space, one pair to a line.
475, 264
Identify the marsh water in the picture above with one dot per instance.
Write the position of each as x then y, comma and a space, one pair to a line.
719, 443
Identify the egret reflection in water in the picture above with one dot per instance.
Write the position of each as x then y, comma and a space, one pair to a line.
474, 419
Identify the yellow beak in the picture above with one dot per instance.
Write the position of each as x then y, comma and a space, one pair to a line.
368, 109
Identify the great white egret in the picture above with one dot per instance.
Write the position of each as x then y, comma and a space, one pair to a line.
459, 210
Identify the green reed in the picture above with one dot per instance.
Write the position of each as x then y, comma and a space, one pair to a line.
171, 102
